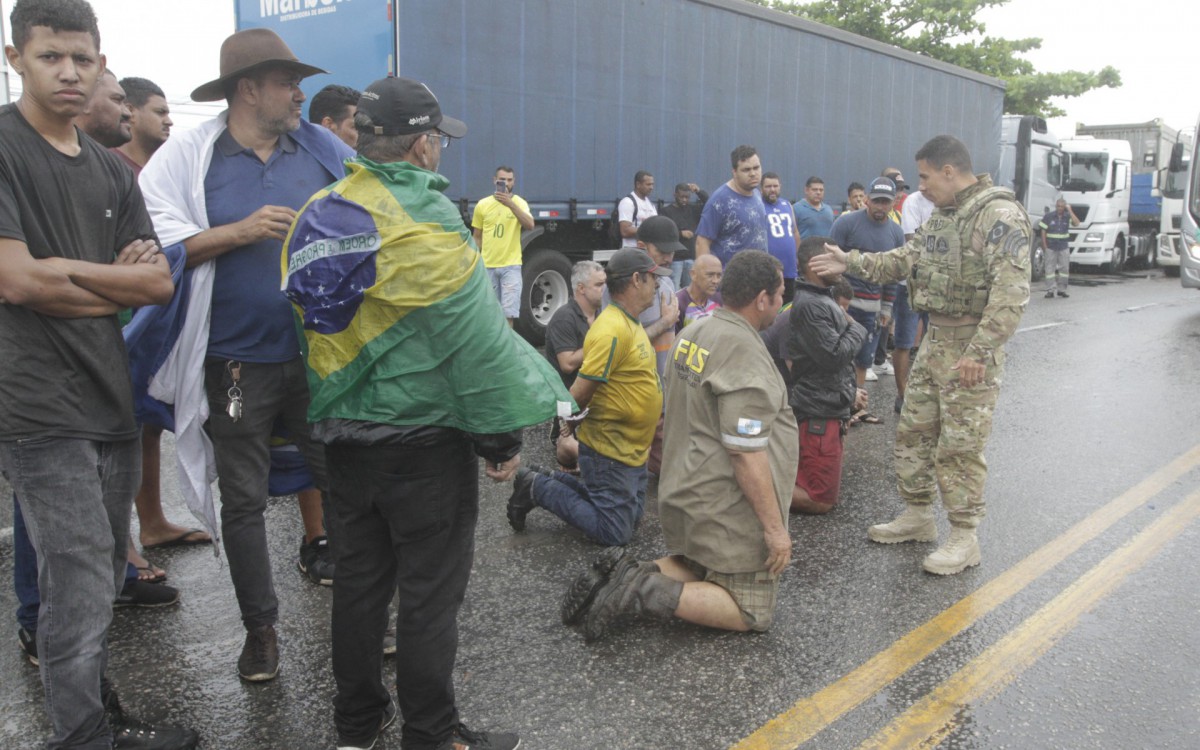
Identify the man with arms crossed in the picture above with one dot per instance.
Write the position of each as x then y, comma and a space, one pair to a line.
729, 462
76, 246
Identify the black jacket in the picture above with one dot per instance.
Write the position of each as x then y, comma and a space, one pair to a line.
821, 343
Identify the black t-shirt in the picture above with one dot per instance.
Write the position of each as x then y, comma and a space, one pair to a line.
64, 377
565, 333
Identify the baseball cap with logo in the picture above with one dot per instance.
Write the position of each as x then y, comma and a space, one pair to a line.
661, 232
630, 260
402, 106
882, 187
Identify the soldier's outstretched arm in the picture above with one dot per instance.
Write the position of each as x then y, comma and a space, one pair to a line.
885, 268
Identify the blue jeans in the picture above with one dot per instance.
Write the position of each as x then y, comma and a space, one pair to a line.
25, 572
866, 355
408, 515
606, 505
681, 272
76, 496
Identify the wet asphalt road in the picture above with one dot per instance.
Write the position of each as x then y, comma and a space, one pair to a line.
1097, 397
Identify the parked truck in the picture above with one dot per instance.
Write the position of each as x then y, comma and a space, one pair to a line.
577, 95
1031, 163
1155, 196
1189, 230
1098, 187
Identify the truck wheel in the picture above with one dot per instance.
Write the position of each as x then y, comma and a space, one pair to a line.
1118, 257
1172, 272
1037, 262
546, 286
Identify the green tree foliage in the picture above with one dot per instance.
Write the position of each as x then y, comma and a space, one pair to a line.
948, 30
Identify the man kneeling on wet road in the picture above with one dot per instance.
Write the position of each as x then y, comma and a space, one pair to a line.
729, 459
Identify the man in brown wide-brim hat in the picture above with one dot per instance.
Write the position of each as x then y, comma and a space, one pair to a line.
227, 192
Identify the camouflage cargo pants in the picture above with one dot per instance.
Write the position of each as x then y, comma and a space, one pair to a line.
944, 428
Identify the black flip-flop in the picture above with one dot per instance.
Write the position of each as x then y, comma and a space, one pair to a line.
181, 541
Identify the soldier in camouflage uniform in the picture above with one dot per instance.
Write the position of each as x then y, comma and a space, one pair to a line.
968, 267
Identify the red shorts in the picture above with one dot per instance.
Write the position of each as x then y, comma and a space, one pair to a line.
820, 470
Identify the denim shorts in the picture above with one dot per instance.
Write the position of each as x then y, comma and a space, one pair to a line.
905, 333
866, 355
506, 283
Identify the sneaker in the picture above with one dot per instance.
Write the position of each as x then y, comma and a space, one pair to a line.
1063, 294
915, 524
871, 377
28, 645
960, 552
131, 734
583, 590
1050, 294
389, 716
389, 642
314, 561
259, 661
520, 502
885, 369
144, 594
465, 739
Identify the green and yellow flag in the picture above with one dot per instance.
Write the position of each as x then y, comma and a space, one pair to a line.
399, 320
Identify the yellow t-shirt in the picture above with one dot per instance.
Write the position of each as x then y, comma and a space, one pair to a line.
499, 231
624, 410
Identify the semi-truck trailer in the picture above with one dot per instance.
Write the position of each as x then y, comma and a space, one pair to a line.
578, 95
1031, 163
1156, 194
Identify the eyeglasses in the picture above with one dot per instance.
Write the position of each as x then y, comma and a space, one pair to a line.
445, 139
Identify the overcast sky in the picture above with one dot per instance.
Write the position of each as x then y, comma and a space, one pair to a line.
176, 43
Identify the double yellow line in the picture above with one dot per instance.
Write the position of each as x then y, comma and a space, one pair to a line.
930, 719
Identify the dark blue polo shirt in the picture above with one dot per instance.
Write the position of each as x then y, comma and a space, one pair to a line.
251, 319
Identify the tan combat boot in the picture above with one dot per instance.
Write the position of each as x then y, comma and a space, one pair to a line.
915, 524
960, 552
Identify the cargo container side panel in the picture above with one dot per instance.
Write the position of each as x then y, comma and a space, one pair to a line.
313, 33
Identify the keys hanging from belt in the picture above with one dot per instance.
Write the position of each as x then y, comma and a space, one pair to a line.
235, 393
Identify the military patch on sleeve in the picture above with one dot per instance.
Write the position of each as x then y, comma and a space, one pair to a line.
997, 232
1016, 247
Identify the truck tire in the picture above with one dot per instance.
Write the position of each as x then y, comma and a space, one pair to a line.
546, 286
1172, 272
1037, 262
1118, 257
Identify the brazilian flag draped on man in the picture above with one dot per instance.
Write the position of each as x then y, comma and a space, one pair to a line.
400, 323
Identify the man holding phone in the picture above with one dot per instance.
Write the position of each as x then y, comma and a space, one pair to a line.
496, 226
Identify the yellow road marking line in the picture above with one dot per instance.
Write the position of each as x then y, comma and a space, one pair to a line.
810, 715
931, 720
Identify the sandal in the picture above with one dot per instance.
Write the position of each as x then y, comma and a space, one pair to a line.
151, 574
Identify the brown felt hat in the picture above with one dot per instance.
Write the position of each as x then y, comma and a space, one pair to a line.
244, 52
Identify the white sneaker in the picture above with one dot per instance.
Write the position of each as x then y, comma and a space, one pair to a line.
885, 369
960, 552
871, 377
915, 524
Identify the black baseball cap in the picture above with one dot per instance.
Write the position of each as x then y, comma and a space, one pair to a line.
882, 187
895, 176
662, 233
630, 260
402, 106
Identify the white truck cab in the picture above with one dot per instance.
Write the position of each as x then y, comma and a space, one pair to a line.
1098, 188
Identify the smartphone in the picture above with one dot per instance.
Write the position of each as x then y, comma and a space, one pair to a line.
501, 186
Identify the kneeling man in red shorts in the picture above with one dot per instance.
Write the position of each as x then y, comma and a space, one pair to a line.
821, 343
